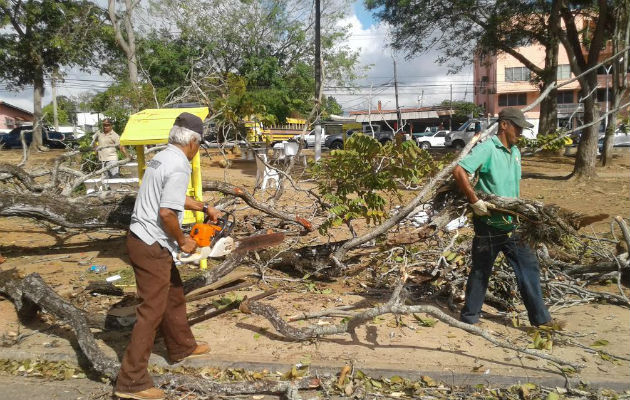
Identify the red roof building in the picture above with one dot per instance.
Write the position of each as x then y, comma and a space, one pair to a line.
12, 116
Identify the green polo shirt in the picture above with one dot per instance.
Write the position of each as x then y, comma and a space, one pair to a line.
499, 174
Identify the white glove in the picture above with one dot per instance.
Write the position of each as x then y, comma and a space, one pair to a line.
480, 207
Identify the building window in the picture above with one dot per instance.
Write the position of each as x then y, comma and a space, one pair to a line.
512, 99
517, 74
565, 97
564, 72
9, 122
601, 94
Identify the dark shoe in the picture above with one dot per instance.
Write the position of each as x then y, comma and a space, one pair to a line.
147, 394
201, 350
553, 324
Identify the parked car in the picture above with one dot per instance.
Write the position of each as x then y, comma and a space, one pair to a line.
431, 139
50, 138
336, 141
622, 139
309, 139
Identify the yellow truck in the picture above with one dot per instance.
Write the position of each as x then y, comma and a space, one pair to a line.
279, 133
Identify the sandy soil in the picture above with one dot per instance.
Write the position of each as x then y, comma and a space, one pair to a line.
63, 257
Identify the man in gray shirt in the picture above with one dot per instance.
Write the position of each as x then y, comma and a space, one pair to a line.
155, 235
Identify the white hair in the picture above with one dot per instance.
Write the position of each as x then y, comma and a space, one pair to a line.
182, 136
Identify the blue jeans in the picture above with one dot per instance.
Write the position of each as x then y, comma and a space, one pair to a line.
487, 244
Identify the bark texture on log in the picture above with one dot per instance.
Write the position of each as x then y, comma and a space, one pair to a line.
205, 386
33, 289
80, 212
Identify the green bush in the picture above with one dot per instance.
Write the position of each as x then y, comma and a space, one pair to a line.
356, 180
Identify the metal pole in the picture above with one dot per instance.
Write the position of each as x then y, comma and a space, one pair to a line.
606, 119
53, 85
450, 111
318, 82
398, 116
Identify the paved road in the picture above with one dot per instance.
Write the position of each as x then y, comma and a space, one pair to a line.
22, 388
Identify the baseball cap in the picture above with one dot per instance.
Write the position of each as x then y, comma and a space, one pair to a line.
189, 121
516, 116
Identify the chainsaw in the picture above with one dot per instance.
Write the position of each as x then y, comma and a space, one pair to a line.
214, 240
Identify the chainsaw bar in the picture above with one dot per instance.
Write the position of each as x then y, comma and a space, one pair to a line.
258, 242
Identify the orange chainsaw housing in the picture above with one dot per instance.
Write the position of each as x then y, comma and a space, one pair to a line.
202, 234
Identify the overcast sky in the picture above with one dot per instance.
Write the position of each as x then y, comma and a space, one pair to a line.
420, 80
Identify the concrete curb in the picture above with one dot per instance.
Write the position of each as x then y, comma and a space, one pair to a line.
449, 378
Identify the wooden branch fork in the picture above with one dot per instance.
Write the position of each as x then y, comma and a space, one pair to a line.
393, 306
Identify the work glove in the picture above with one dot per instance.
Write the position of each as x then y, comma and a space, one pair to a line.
480, 207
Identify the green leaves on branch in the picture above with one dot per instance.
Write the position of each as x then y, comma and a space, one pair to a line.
549, 142
357, 181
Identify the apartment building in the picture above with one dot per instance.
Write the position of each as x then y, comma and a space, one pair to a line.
503, 81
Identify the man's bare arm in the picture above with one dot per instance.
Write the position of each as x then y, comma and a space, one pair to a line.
461, 178
195, 205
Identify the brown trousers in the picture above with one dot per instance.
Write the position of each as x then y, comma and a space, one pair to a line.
162, 306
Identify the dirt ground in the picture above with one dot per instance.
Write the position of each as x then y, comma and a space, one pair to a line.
62, 257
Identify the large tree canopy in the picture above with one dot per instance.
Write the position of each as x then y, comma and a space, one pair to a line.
459, 29
39, 37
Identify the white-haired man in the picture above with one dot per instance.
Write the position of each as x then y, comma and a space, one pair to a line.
154, 235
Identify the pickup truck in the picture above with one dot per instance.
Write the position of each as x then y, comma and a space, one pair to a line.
50, 138
336, 141
460, 138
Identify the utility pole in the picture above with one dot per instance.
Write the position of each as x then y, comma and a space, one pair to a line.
53, 85
398, 116
421, 99
450, 111
318, 82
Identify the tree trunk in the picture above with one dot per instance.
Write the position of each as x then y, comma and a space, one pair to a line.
548, 121
132, 61
587, 149
620, 40
128, 44
549, 106
38, 94
609, 140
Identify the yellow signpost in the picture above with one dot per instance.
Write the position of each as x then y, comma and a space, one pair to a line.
152, 126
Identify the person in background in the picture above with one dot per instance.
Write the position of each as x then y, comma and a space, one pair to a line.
497, 160
106, 143
155, 234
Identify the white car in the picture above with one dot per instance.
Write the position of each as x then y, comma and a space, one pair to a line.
309, 139
431, 139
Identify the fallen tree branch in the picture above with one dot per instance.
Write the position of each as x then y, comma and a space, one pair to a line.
80, 212
393, 306
34, 290
240, 192
413, 206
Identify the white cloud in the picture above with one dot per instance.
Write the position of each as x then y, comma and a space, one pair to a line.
420, 79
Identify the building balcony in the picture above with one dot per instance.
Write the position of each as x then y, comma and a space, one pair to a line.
570, 108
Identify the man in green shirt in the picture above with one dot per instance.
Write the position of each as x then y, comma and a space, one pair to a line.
498, 163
